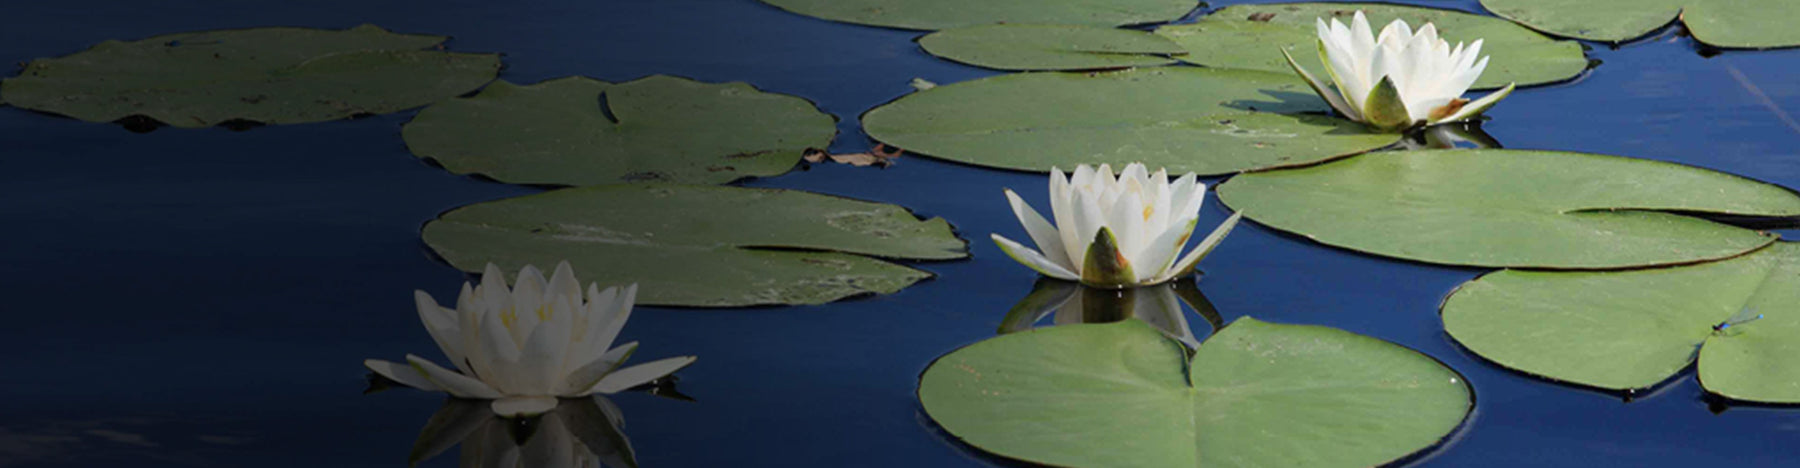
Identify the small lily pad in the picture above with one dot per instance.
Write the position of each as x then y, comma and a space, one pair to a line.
581, 131
263, 75
1747, 24
1185, 119
1633, 329
701, 246
1508, 208
1050, 47
1254, 394
1252, 36
946, 14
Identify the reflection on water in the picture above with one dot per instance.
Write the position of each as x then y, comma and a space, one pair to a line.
578, 432
1070, 302
1452, 135
109, 441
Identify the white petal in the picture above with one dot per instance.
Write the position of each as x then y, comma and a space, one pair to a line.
617, 314
1062, 210
1473, 109
541, 361
563, 283
402, 373
1206, 247
1034, 260
589, 373
445, 327
512, 407
1042, 233
1126, 218
1160, 255
458, 385
1088, 220
493, 290
502, 366
640, 374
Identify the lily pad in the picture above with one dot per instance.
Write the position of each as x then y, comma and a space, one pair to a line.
946, 14
701, 246
581, 131
1185, 119
1255, 394
263, 75
1633, 329
1748, 24
1050, 47
1508, 208
1251, 36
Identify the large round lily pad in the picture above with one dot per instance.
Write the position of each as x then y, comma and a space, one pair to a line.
1186, 119
1633, 329
945, 14
1508, 208
1255, 394
264, 75
1751, 24
1251, 36
703, 246
580, 131
1050, 47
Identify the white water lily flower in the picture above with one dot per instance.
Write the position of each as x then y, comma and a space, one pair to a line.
1114, 232
526, 346
1399, 79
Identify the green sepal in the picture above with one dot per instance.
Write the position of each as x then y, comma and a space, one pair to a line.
1384, 109
1105, 266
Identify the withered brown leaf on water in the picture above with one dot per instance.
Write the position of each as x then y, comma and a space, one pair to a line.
881, 156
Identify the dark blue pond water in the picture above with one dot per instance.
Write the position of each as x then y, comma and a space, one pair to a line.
205, 297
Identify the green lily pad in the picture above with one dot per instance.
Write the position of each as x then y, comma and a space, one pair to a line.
1234, 37
1508, 208
701, 246
1050, 47
1747, 24
946, 14
1185, 119
581, 131
1633, 329
264, 75
1255, 394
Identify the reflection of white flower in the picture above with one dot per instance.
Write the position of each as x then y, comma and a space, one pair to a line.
527, 346
1069, 303
1399, 79
1114, 232
582, 432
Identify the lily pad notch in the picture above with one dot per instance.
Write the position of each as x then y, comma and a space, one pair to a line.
1208, 121
581, 131
1253, 394
1734, 24
1736, 320
702, 245
1513, 208
1252, 37
277, 75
